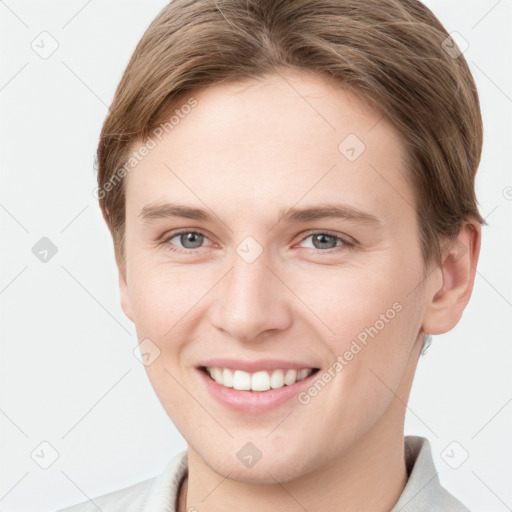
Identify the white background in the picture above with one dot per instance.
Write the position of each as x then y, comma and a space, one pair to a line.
68, 374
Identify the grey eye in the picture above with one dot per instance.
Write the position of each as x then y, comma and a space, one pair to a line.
323, 240
190, 239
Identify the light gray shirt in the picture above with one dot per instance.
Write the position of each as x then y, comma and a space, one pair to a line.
422, 493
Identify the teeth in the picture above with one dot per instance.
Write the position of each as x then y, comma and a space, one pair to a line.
258, 381
217, 375
290, 377
277, 379
302, 374
227, 377
241, 380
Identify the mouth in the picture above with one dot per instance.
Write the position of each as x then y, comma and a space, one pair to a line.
254, 392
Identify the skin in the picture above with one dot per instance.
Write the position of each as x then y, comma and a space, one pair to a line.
245, 152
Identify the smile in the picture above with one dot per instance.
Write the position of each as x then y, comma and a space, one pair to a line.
257, 381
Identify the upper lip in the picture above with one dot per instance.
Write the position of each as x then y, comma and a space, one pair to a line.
254, 366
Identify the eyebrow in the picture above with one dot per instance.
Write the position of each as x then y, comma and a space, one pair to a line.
291, 215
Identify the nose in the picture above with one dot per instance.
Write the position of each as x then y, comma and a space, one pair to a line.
252, 301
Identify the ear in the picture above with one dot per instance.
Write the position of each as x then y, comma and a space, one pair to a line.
448, 296
123, 289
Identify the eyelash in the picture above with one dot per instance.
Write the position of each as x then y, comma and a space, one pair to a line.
347, 246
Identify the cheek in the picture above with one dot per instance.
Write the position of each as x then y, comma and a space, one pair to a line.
370, 320
160, 295
162, 301
168, 306
350, 300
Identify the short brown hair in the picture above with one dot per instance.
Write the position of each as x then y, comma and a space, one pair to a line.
393, 53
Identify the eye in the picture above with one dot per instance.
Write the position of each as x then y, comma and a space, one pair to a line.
325, 240
189, 239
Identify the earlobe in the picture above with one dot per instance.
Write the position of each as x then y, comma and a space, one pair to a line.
124, 295
446, 302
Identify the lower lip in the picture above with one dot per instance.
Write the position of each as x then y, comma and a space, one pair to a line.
253, 402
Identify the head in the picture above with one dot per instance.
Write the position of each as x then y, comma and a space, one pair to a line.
260, 114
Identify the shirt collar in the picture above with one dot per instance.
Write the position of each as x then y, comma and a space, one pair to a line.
423, 491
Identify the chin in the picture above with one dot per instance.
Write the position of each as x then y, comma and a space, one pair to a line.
271, 467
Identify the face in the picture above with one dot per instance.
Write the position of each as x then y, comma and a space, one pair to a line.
296, 246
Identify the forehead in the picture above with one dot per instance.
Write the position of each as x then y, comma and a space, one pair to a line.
272, 142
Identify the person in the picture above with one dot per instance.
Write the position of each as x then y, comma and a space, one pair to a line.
290, 188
